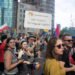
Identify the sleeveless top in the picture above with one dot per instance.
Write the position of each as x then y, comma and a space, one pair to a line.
14, 60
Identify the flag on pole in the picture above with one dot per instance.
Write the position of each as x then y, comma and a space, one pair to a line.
57, 30
4, 27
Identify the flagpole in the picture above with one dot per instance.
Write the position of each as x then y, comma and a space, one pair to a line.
72, 25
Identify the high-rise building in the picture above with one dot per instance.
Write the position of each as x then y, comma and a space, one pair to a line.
8, 12
1, 3
47, 6
22, 7
1, 12
28, 1
31, 2
0, 16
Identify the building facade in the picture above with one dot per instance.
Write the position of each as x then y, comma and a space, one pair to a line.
1, 12
47, 6
1, 3
22, 7
1, 16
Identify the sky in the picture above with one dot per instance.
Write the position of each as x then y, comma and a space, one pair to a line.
65, 13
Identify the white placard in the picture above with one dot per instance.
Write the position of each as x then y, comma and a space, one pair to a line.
37, 20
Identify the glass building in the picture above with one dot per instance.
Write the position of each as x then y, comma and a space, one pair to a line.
8, 12
1, 12
0, 16
1, 3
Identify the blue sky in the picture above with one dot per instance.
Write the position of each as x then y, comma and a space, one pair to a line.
65, 13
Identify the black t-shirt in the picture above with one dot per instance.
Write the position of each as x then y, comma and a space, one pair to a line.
65, 58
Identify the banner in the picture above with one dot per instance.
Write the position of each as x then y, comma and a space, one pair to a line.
37, 20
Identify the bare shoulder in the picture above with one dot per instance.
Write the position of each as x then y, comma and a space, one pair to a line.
7, 53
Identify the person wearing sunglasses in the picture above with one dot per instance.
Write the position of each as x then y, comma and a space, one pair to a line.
52, 65
68, 42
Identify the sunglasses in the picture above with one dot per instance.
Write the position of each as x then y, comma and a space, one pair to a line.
68, 40
60, 46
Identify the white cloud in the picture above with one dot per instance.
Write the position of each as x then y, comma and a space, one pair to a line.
65, 12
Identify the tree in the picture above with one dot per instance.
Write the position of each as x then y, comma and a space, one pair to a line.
70, 30
63, 31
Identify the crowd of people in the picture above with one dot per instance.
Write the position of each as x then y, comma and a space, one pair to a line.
58, 56
37, 55
22, 55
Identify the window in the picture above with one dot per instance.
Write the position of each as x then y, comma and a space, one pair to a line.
23, 27
21, 6
24, 11
20, 27
24, 16
20, 15
20, 10
20, 20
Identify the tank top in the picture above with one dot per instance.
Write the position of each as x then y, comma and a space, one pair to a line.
14, 60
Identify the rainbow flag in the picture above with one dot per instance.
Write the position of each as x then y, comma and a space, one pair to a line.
57, 30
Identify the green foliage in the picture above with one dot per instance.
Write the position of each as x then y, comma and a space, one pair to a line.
70, 30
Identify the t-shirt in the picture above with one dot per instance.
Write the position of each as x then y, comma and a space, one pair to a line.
65, 58
52, 67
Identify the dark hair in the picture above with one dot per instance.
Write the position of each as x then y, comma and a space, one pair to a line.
3, 37
64, 35
8, 40
31, 36
22, 43
50, 53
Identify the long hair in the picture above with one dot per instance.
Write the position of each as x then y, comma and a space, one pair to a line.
20, 45
3, 37
50, 53
7, 42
